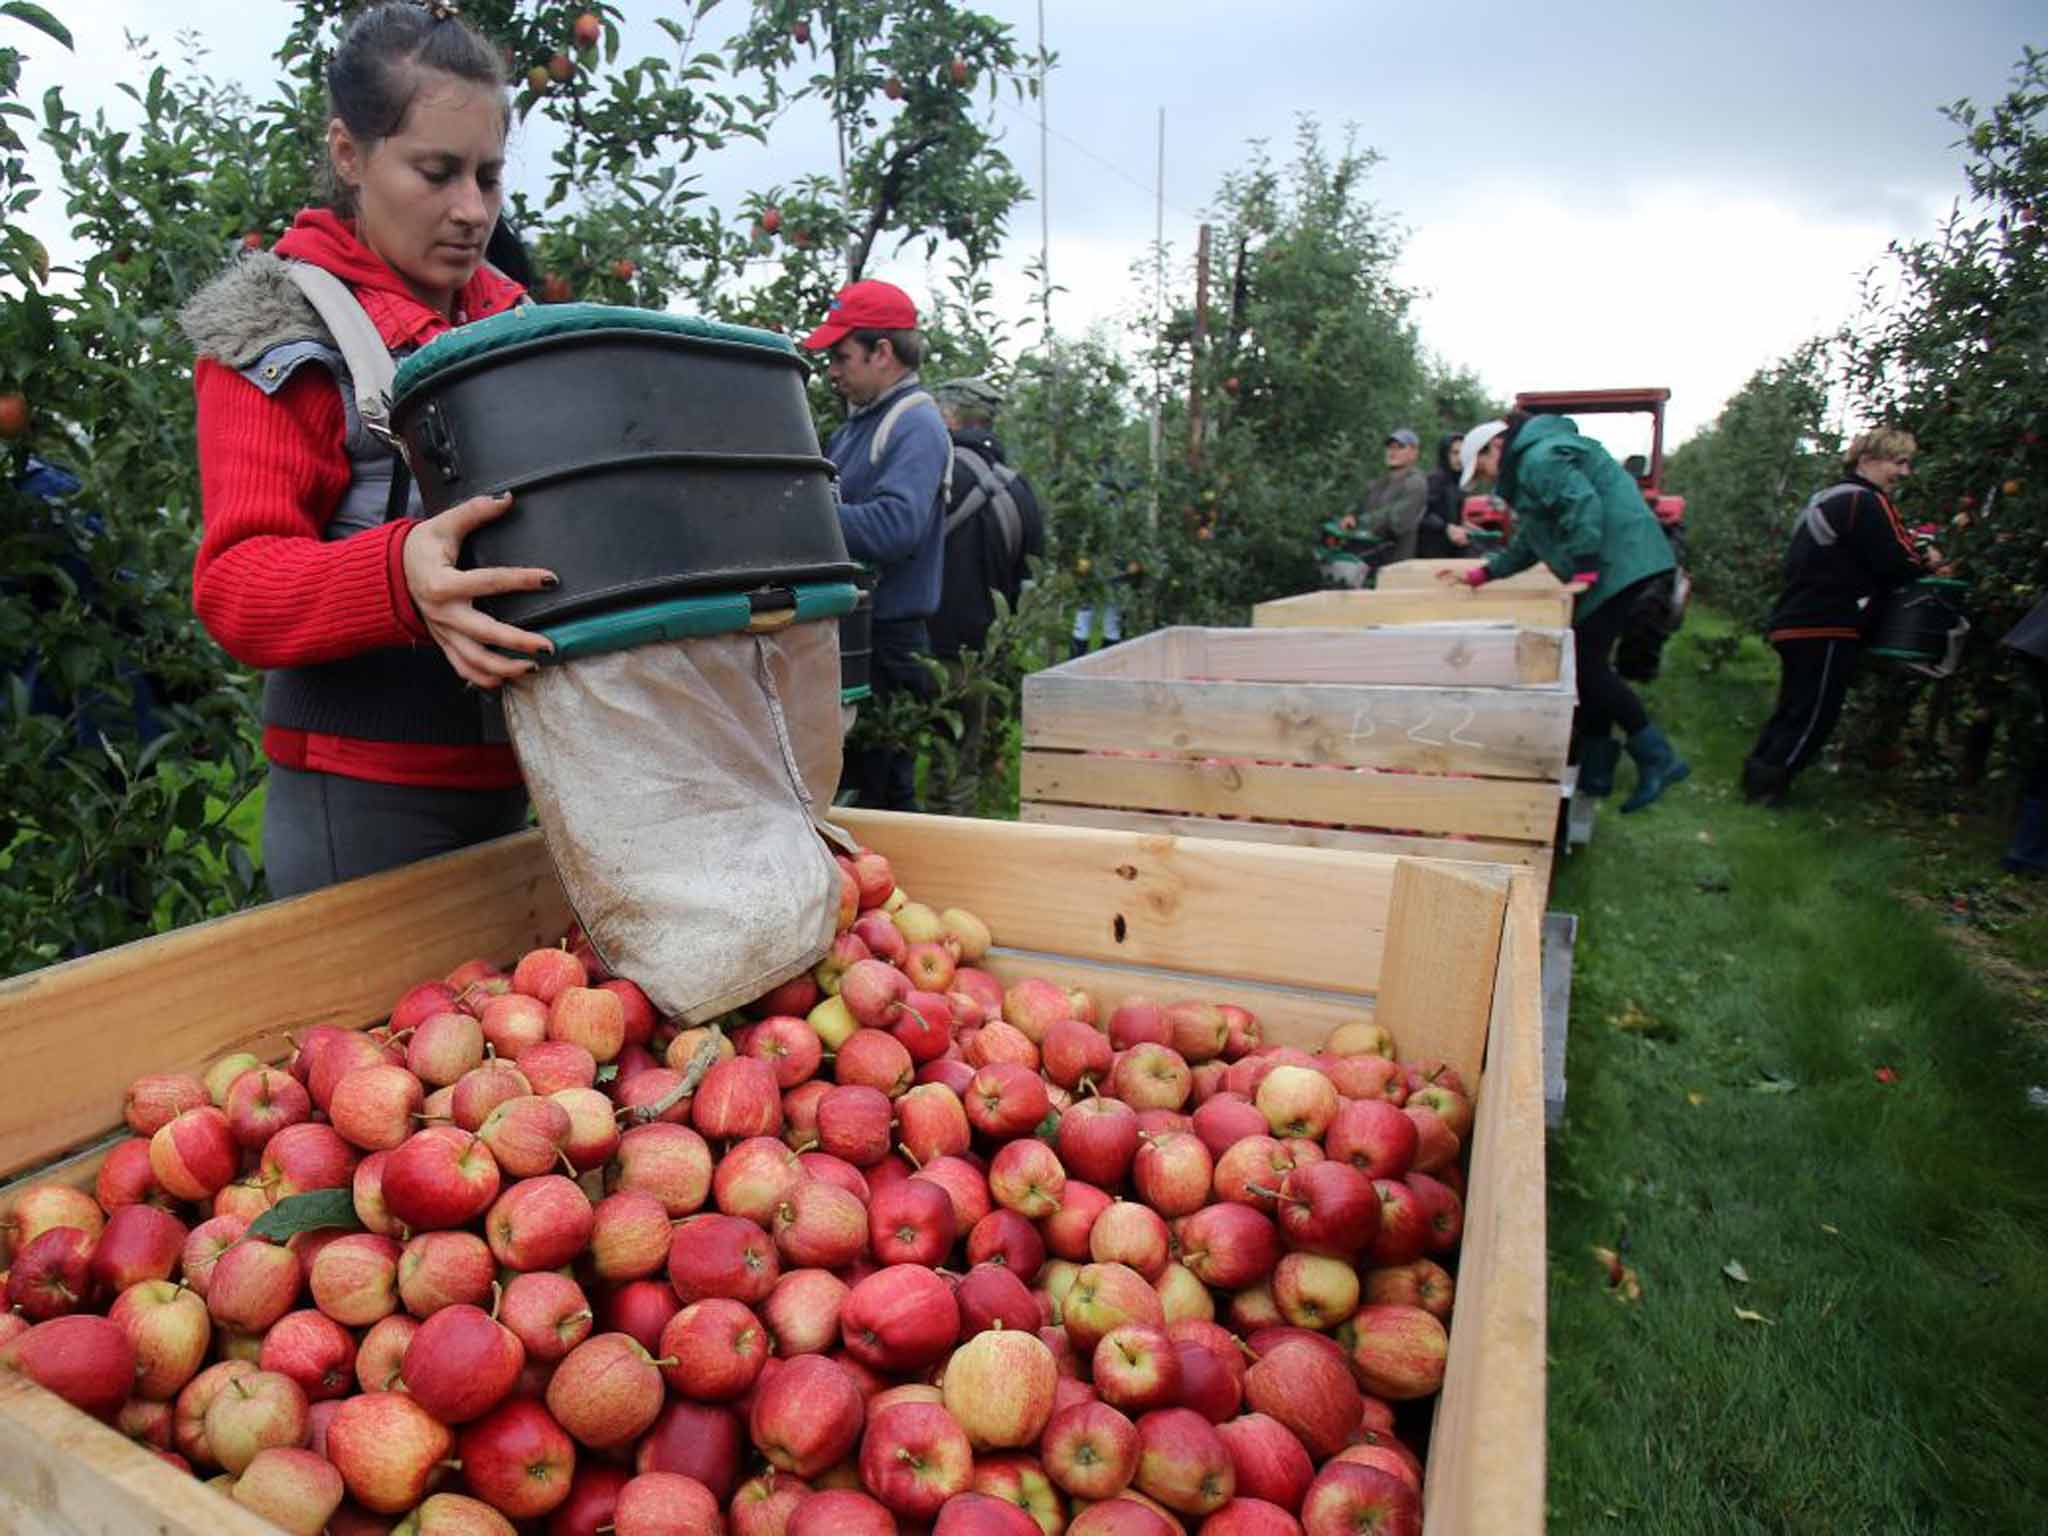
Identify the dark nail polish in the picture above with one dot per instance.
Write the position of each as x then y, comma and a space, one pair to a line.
549, 583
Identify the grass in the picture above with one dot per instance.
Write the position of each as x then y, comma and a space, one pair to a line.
1741, 977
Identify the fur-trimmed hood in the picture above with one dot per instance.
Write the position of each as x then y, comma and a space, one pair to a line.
251, 307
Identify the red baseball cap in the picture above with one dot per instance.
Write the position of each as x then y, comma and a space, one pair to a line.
864, 306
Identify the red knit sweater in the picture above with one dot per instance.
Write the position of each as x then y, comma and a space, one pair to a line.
272, 470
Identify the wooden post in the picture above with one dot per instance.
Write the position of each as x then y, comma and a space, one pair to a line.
1195, 351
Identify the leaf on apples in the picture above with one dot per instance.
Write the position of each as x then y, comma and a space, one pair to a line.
307, 1213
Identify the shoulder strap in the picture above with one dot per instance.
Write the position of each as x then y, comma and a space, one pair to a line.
992, 484
370, 366
888, 424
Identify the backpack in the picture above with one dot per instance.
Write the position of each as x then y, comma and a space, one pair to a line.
992, 482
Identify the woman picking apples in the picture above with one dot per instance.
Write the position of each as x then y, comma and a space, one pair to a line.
382, 749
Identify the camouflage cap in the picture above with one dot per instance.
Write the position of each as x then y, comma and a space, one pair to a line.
976, 391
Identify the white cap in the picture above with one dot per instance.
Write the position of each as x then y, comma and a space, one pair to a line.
1475, 440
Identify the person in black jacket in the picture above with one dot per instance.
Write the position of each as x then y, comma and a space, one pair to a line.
1441, 534
2028, 854
1848, 550
993, 529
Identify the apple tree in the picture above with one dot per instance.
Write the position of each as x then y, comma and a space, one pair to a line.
1952, 344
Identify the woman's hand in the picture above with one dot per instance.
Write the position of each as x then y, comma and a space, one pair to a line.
1457, 534
446, 596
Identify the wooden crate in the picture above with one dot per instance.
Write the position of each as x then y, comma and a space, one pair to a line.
1446, 957
1505, 603
1461, 734
1408, 574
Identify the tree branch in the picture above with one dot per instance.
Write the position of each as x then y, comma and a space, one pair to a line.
886, 197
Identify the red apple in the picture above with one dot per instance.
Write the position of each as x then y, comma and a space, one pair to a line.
670, 1162
462, 1363
1307, 1389
820, 1226
1025, 1176
606, 1392
1228, 1247
715, 1255
1270, 1462
914, 1457
169, 1330
194, 1154
1005, 1238
1183, 1463
1329, 1207
1091, 1451
806, 1415
1006, 1100
1136, 1369
513, 1024
1346, 1497
1034, 1005
1105, 1296
588, 1017
911, 1222
1098, 1141
802, 1312
88, 1361
155, 1099
444, 1269
854, 1122
1404, 1229
789, 1046
517, 1459
840, 1512
1442, 1210
737, 1099
253, 1285
539, 1223
902, 1319
302, 1158
965, 1185
1172, 1173
999, 1385
1124, 1516
547, 1312
313, 1350
1397, 1352
354, 1280
252, 1413
713, 1350
1198, 1031
139, 1242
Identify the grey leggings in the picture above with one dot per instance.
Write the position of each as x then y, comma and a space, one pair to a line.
320, 828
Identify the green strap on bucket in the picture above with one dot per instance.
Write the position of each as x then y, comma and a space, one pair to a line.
686, 618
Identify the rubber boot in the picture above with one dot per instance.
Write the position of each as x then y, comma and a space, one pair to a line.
1597, 760
2028, 854
1658, 766
1764, 783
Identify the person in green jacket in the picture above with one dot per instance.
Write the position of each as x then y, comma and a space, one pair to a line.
1582, 515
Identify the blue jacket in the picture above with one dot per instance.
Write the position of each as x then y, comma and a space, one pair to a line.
892, 504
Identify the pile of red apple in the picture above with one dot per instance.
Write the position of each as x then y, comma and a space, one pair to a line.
898, 1249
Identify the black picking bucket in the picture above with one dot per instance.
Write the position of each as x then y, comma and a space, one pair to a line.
1915, 623
650, 456
857, 640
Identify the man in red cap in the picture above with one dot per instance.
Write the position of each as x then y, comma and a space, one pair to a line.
894, 457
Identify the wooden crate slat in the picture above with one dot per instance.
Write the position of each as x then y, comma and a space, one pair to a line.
1471, 850
1494, 603
1493, 1406
1512, 809
1483, 657
1413, 574
1442, 952
64, 1474
180, 1001
1185, 905
1500, 732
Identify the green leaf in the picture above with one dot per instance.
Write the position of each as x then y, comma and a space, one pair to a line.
312, 1212
35, 16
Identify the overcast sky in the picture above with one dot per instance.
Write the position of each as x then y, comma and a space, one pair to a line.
1596, 194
